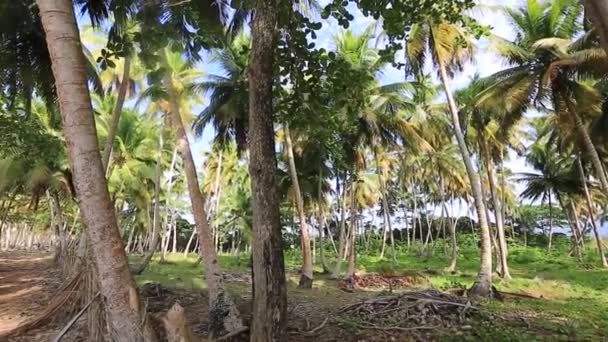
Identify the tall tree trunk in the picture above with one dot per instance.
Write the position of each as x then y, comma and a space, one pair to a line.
269, 289
321, 224
550, 223
223, 314
306, 276
483, 284
217, 193
120, 100
166, 235
118, 289
352, 255
342, 234
187, 250
156, 210
571, 222
174, 248
578, 237
500, 228
406, 224
600, 172
590, 207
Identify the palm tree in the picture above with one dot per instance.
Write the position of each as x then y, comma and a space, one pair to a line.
116, 282
494, 122
548, 59
590, 208
450, 47
380, 120
228, 104
306, 277
177, 81
553, 181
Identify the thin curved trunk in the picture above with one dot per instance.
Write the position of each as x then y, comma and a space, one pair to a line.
498, 213
572, 222
590, 208
600, 172
120, 101
269, 314
156, 211
118, 289
576, 230
483, 284
223, 314
306, 276
189, 243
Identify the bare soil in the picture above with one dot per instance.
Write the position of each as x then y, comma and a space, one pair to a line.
27, 283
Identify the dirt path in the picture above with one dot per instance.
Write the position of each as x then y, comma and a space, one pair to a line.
27, 282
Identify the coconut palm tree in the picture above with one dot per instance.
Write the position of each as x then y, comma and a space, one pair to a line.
553, 181
381, 119
116, 282
175, 81
449, 47
228, 103
548, 60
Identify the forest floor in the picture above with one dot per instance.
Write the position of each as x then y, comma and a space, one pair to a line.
27, 283
551, 297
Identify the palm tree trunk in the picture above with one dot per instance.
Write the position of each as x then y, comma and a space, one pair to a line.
550, 223
571, 222
120, 100
116, 283
502, 241
224, 316
156, 214
406, 224
306, 276
600, 172
483, 284
580, 244
321, 224
341, 242
269, 290
598, 239
168, 210
187, 250
217, 192
352, 255
174, 248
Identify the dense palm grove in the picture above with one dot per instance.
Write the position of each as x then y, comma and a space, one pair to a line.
313, 154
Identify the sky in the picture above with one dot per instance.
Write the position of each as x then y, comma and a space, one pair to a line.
484, 64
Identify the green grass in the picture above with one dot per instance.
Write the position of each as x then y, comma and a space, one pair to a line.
572, 304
